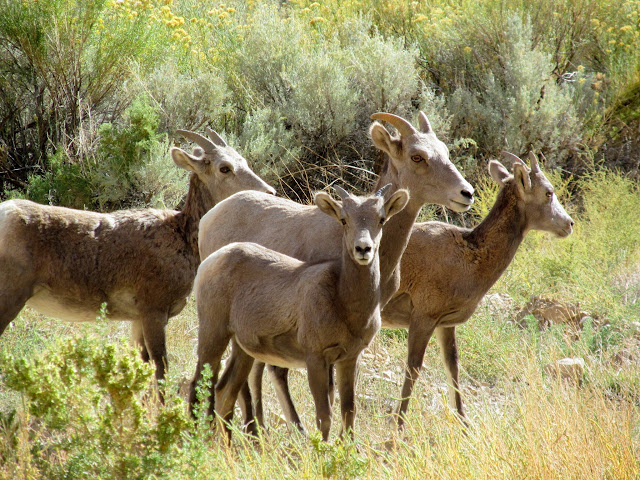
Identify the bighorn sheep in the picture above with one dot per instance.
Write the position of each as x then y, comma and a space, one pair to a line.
418, 161
286, 312
66, 263
446, 270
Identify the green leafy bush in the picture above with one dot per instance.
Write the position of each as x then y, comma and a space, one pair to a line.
129, 167
132, 165
89, 400
63, 64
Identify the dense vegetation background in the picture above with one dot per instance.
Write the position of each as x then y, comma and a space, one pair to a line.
91, 94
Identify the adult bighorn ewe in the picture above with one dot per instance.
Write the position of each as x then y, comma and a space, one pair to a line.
66, 263
418, 161
446, 270
290, 313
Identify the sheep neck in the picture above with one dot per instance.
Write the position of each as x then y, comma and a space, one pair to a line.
395, 237
497, 238
358, 290
199, 201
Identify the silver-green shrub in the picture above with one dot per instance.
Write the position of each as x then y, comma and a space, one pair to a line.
87, 399
316, 90
185, 98
520, 106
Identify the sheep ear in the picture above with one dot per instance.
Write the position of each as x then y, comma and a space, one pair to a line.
423, 121
328, 205
498, 172
396, 202
184, 160
521, 174
383, 140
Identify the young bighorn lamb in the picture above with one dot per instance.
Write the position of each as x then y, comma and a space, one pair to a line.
291, 313
446, 270
418, 161
65, 263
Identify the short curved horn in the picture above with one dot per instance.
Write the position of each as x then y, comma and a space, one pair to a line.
423, 121
510, 156
206, 144
533, 159
404, 127
215, 138
341, 191
383, 190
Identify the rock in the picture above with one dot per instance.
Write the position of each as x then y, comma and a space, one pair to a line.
388, 375
566, 369
498, 304
551, 312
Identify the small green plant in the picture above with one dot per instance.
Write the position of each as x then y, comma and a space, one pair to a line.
340, 459
130, 167
91, 402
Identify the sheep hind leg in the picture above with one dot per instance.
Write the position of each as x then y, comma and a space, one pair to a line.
233, 379
280, 378
14, 293
253, 393
137, 337
420, 333
247, 408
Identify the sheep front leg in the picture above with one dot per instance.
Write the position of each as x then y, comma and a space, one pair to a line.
448, 348
211, 347
318, 374
419, 335
347, 372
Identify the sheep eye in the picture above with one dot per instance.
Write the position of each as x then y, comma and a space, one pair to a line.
416, 158
382, 220
344, 222
549, 194
225, 169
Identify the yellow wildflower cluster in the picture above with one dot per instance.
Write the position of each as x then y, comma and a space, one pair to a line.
181, 29
618, 37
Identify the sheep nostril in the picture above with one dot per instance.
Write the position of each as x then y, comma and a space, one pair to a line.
467, 194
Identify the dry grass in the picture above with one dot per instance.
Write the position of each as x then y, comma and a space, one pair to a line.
524, 425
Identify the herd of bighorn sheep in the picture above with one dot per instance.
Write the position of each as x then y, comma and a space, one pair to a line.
288, 285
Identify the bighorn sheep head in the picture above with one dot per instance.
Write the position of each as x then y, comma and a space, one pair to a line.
421, 162
543, 211
362, 226
218, 165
